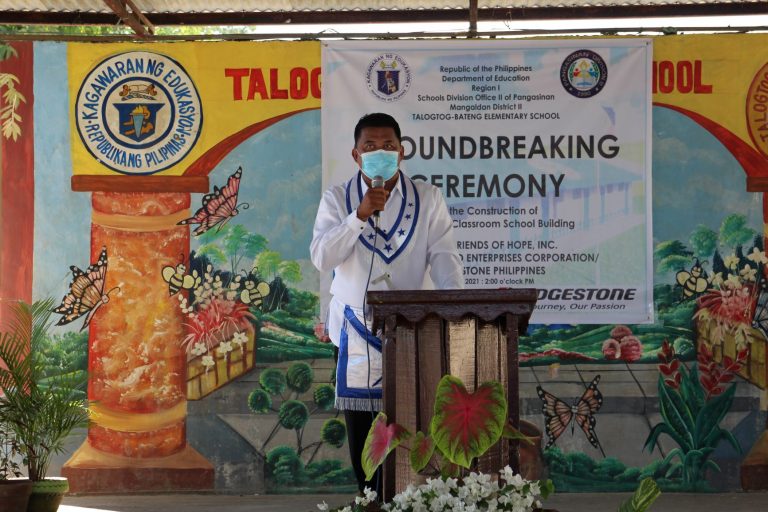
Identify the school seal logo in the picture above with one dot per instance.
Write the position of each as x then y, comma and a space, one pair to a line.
388, 77
583, 73
138, 112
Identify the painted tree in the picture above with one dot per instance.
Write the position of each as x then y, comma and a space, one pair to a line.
734, 231
671, 255
293, 414
231, 244
703, 241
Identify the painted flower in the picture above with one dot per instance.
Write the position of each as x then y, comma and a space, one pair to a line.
224, 347
717, 279
611, 349
207, 361
757, 256
733, 281
240, 338
731, 261
748, 273
620, 331
199, 349
631, 349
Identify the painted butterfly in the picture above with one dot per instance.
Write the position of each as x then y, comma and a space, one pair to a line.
218, 207
558, 414
86, 292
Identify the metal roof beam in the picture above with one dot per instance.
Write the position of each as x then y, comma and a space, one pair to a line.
389, 16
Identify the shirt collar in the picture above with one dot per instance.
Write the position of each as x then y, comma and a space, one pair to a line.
398, 184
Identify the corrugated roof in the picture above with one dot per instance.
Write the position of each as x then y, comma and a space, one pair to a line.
150, 14
251, 6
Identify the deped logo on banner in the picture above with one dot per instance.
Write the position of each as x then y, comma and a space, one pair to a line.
583, 73
388, 77
138, 112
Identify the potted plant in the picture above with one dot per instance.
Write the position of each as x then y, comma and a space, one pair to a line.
14, 490
464, 426
39, 408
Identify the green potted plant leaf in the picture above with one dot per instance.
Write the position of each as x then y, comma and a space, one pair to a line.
14, 490
464, 426
38, 407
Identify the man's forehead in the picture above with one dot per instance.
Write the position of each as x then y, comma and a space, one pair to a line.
386, 133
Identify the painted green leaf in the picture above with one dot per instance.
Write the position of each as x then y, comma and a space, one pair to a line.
710, 416
422, 449
676, 415
465, 425
381, 440
643, 498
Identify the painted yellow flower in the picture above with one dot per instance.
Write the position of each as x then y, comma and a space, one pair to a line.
731, 261
757, 256
748, 273
733, 281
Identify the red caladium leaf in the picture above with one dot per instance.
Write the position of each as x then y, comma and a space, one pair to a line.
465, 425
671, 383
727, 361
381, 440
422, 449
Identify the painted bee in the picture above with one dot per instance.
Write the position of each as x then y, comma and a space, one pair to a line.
693, 282
178, 279
254, 291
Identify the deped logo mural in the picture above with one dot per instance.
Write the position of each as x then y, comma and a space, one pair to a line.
138, 112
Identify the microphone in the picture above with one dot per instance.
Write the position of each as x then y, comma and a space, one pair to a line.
377, 182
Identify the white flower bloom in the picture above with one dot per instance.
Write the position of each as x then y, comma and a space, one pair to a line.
199, 349
476, 493
207, 361
370, 494
323, 506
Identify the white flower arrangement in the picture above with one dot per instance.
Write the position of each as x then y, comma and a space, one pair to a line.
476, 492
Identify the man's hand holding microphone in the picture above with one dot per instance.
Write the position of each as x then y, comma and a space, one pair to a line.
373, 200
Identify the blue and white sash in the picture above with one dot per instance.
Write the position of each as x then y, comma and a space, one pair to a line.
358, 384
392, 240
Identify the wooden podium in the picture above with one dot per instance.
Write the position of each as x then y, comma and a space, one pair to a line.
470, 334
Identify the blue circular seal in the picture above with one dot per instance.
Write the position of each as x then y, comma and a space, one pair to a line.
583, 73
388, 77
138, 112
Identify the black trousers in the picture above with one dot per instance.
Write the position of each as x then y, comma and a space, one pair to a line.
358, 425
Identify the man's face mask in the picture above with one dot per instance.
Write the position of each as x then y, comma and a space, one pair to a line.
380, 163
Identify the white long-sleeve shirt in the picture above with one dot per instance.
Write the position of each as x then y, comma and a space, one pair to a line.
415, 246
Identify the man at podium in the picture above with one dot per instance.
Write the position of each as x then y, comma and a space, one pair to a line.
378, 231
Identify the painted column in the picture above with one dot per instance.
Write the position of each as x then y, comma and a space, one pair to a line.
17, 190
137, 366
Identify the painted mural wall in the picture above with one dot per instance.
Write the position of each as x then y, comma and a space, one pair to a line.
165, 194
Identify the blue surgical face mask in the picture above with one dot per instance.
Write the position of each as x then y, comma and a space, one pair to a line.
380, 163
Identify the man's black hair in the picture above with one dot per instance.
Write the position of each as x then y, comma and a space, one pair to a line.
376, 120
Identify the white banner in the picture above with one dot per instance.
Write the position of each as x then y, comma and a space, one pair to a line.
542, 150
